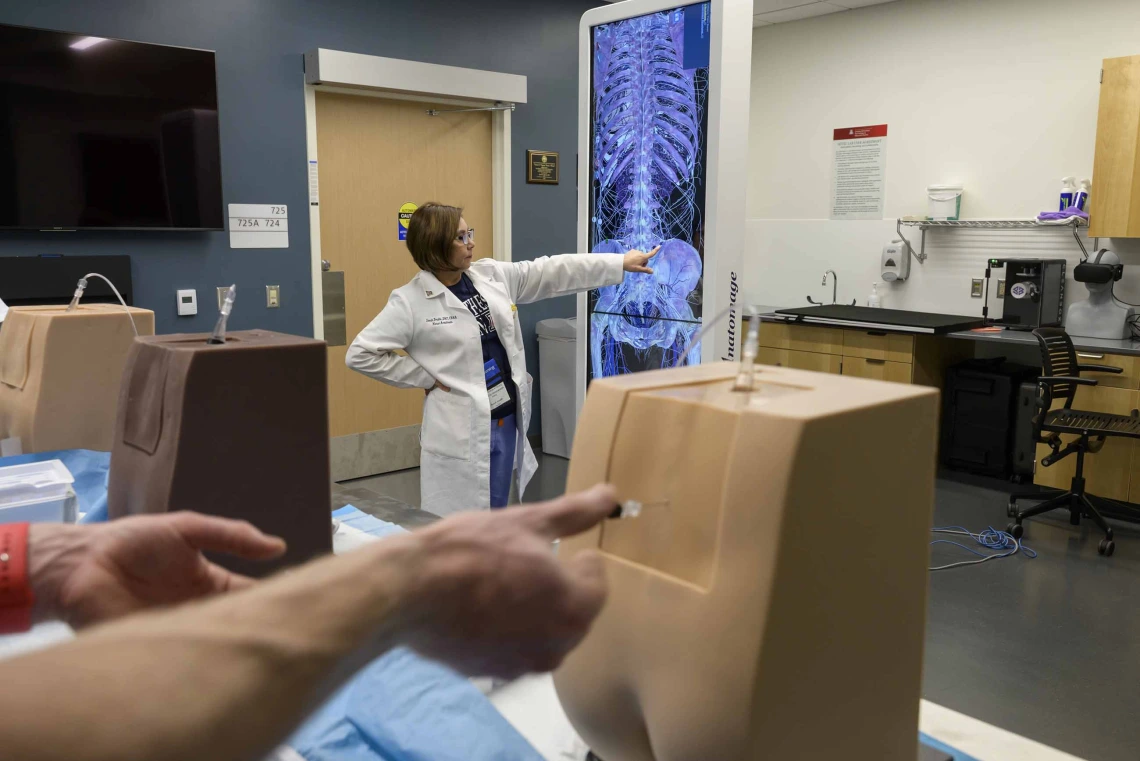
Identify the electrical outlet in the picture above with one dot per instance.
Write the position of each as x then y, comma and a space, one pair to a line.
976, 286
1001, 289
272, 296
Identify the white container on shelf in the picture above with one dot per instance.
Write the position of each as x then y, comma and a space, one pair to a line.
37, 492
944, 202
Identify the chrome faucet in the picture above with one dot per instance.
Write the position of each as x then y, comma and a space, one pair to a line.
834, 289
834, 283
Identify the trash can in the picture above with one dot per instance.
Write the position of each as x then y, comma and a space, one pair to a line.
557, 355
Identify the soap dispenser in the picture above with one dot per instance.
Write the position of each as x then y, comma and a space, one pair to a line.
895, 261
873, 300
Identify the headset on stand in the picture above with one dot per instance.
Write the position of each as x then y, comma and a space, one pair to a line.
1095, 272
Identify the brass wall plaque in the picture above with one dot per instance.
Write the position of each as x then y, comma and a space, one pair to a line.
542, 167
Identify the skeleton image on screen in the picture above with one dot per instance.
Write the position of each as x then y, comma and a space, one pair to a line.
649, 87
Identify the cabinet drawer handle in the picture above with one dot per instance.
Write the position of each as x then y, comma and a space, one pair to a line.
876, 361
875, 333
1090, 356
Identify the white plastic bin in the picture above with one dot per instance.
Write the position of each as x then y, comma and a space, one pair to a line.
944, 202
557, 354
37, 492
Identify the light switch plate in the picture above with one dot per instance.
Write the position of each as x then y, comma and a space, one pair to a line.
1001, 289
272, 296
976, 286
187, 302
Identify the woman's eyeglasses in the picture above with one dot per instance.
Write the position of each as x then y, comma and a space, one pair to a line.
464, 239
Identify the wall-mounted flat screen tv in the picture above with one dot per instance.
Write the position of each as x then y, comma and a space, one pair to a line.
107, 134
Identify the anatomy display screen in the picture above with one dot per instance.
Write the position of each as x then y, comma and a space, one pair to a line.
648, 125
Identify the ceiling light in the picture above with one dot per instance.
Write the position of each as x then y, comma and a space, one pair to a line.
87, 42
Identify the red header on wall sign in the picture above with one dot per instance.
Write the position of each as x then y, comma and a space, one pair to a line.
859, 133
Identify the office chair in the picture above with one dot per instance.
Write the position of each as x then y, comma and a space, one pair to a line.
1061, 375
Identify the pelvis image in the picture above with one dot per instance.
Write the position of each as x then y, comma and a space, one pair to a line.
649, 89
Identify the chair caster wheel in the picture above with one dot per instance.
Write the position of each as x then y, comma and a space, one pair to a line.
1015, 530
1011, 510
1106, 547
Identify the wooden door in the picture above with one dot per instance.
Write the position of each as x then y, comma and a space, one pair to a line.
375, 155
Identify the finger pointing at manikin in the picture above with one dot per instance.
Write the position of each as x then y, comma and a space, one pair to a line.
573, 513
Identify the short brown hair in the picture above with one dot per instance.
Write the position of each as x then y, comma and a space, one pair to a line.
431, 231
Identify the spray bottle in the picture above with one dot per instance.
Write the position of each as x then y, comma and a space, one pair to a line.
1081, 199
1068, 190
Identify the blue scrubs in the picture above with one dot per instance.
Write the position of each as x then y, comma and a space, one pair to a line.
501, 390
503, 440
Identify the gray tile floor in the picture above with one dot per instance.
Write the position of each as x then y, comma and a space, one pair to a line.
1046, 648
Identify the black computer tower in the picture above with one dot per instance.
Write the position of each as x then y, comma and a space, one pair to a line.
1024, 445
980, 409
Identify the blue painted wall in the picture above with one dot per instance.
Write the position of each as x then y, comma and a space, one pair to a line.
259, 46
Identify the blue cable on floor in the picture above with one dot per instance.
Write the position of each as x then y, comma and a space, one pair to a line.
1005, 545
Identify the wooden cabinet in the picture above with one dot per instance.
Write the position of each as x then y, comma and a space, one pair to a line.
1114, 209
877, 369
892, 347
923, 360
861, 353
1108, 473
799, 360
801, 338
1130, 378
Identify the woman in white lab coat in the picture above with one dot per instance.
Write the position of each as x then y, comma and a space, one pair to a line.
457, 320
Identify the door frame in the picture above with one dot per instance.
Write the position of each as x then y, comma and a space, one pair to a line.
398, 79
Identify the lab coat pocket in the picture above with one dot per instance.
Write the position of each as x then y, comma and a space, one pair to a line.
446, 429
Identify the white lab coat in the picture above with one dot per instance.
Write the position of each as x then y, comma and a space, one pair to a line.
441, 338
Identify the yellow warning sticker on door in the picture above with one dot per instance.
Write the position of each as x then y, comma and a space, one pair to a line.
406, 212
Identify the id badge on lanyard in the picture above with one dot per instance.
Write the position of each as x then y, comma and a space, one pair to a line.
496, 387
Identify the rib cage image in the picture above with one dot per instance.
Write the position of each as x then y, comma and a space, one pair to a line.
647, 152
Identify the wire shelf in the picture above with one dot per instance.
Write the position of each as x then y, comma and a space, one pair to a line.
990, 224
1074, 224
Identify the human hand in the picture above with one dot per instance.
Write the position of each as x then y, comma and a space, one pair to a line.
635, 260
433, 388
92, 573
491, 597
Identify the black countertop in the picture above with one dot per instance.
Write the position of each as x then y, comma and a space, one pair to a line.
1022, 337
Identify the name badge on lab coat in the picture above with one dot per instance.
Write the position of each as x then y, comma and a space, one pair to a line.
496, 388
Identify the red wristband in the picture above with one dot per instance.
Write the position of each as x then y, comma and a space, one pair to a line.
15, 588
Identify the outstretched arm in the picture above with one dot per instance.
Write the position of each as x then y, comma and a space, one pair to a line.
227, 679
550, 276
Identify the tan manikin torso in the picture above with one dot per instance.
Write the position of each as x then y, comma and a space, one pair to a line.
769, 602
60, 373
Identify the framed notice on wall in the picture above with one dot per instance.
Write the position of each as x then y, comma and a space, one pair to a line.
859, 172
542, 167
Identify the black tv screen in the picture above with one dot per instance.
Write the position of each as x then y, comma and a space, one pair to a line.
105, 133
